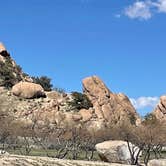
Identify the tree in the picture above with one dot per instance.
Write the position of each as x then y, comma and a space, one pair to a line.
79, 101
44, 81
149, 138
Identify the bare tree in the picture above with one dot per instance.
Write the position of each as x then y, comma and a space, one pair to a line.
148, 138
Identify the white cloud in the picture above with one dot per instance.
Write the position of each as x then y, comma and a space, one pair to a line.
144, 10
161, 5
143, 102
139, 9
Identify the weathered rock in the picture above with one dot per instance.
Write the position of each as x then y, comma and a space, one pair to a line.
108, 106
114, 152
96, 125
86, 115
3, 153
28, 90
95, 88
160, 162
13, 73
2, 47
53, 95
160, 110
2, 59
77, 117
3, 51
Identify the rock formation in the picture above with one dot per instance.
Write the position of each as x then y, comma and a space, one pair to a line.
160, 110
2, 47
2, 50
108, 106
28, 90
10, 72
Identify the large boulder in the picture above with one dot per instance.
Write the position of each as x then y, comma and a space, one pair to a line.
114, 152
28, 90
160, 110
95, 88
3, 153
107, 105
161, 162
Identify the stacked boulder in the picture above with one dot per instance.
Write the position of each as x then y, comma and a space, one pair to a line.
108, 107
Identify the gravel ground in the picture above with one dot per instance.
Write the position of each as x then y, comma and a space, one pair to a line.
14, 160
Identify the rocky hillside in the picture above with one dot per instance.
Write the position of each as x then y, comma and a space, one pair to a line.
97, 107
56, 107
10, 72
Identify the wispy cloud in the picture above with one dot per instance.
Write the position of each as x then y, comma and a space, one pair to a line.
140, 9
143, 102
161, 5
144, 10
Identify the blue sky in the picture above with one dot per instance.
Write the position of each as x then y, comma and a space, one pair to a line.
123, 42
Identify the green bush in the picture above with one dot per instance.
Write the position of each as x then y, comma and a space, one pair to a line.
150, 119
9, 74
80, 101
44, 81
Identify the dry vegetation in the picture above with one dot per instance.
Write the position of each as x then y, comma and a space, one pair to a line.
148, 139
76, 142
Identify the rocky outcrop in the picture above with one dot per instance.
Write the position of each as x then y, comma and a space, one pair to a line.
10, 72
160, 110
114, 152
28, 90
108, 106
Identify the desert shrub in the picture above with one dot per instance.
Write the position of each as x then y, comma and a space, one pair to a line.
9, 74
132, 118
44, 81
80, 101
59, 90
149, 137
150, 119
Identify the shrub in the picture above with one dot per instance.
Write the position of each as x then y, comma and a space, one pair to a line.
132, 118
80, 101
8, 73
150, 119
59, 90
44, 81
